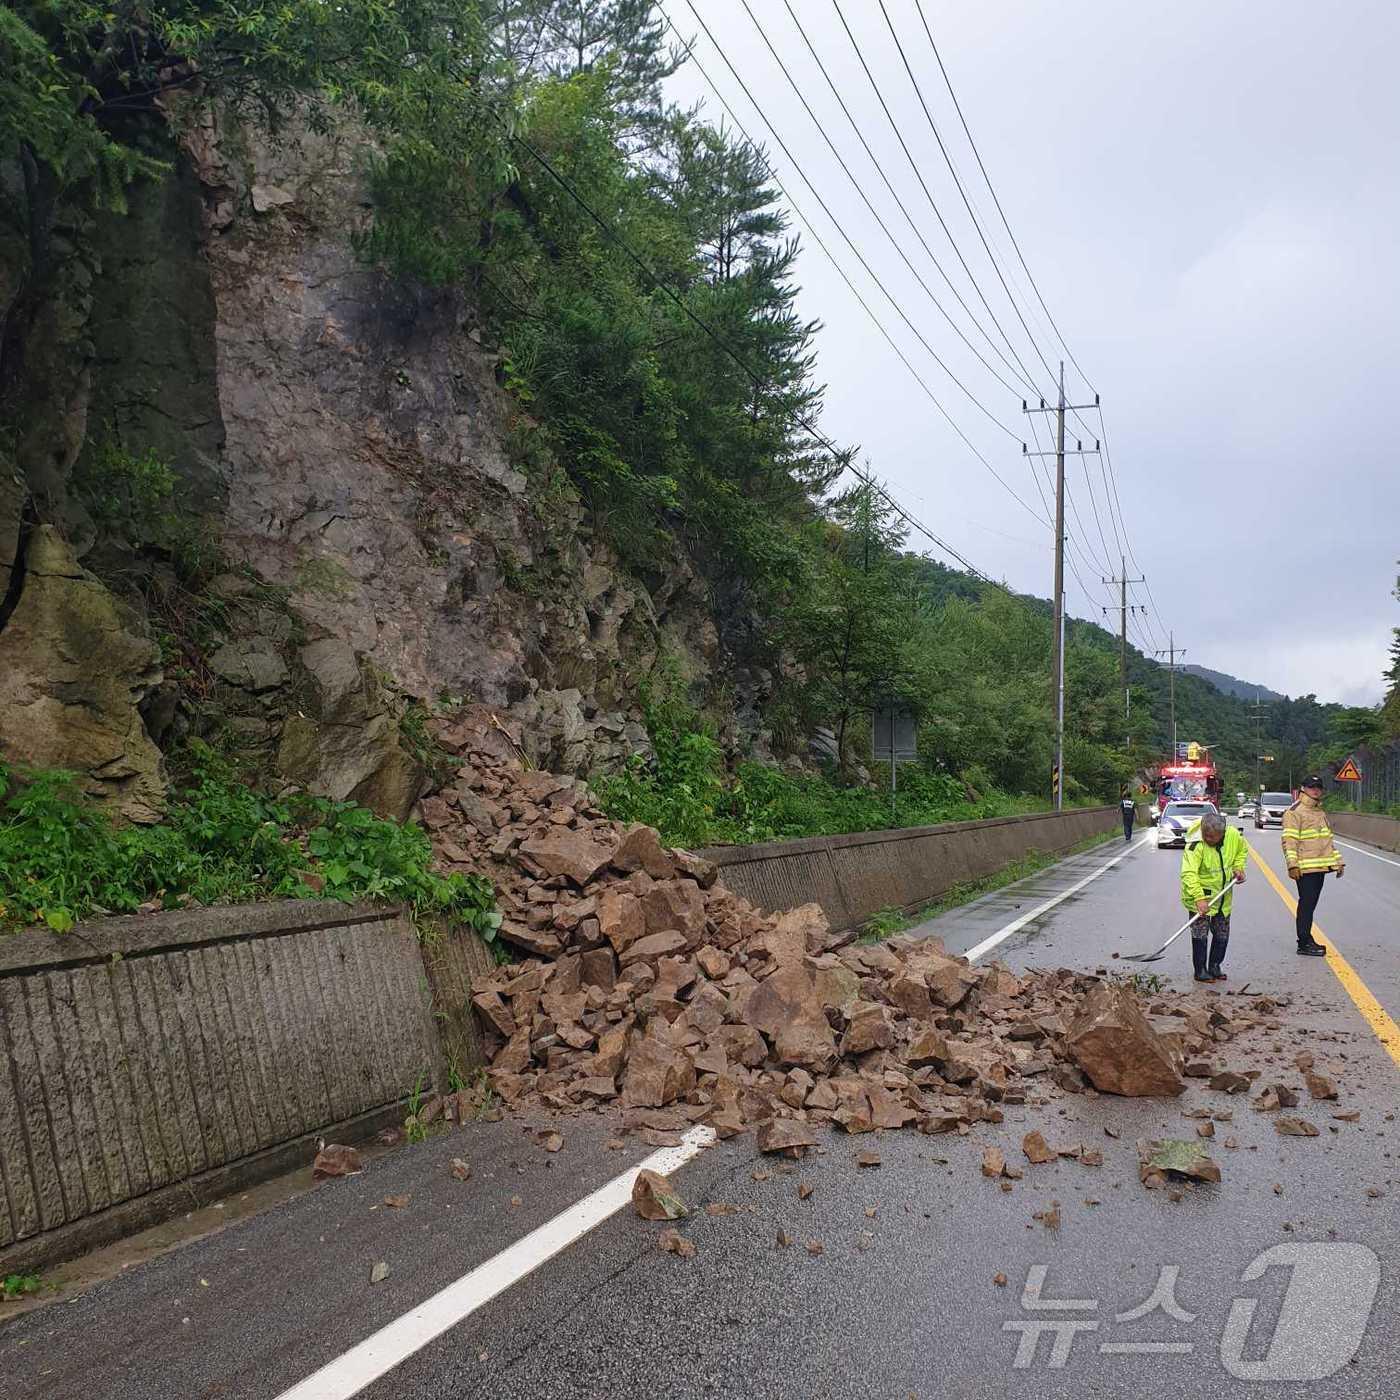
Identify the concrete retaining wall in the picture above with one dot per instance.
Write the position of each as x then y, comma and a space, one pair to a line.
155, 1062
852, 877
1383, 832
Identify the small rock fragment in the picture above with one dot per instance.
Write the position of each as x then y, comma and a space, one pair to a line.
1228, 1082
1037, 1150
785, 1135
335, 1159
1295, 1127
673, 1242
379, 1272
654, 1198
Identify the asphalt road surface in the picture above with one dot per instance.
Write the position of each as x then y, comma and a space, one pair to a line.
1282, 1274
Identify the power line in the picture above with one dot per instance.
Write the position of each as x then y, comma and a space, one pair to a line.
1116, 517
932, 203
918, 5
908, 218
1105, 465
865, 199
952, 170
933, 398
972, 215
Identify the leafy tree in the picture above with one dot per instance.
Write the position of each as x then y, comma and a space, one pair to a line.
854, 628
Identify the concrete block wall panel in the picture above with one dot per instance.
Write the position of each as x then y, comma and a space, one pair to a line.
784, 874
141, 1055
852, 877
452, 956
1383, 832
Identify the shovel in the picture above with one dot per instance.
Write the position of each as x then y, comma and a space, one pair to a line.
1152, 957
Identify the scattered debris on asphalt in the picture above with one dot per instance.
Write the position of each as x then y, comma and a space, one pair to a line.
396, 1202
650, 992
461, 1169
379, 1272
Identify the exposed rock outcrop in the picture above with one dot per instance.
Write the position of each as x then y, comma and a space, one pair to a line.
392, 529
75, 666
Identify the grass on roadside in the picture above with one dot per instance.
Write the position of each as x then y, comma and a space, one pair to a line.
884, 923
19, 1285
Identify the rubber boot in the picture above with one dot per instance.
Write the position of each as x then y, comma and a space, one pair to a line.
1198, 958
1219, 942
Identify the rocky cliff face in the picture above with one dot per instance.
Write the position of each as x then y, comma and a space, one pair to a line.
385, 535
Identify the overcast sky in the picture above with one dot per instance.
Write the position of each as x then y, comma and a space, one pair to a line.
1207, 196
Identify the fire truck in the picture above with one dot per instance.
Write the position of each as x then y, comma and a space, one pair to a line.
1190, 777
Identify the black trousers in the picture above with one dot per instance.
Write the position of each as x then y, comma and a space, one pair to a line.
1205, 959
1309, 891
1128, 825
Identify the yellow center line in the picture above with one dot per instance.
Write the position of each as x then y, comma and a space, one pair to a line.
1386, 1031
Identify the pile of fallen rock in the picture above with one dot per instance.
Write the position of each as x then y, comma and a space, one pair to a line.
650, 987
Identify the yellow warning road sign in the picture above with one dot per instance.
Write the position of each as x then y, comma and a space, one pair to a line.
1348, 772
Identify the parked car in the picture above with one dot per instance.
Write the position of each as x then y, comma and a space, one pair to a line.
1177, 818
1247, 810
1269, 810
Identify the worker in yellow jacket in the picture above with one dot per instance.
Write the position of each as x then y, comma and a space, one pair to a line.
1309, 853
1215, 854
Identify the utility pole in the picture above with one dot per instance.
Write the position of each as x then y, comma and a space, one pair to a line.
1258, 717
1172, 652
1057, 655
1123, 610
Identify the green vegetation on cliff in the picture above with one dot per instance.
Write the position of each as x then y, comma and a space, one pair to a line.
61, 860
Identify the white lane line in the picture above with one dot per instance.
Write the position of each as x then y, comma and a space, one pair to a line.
1002, 934
349, 1374
1361, 850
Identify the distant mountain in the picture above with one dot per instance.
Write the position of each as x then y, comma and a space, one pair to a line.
1243, 690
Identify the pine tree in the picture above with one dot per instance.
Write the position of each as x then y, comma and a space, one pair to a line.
566, 38
1390, 709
